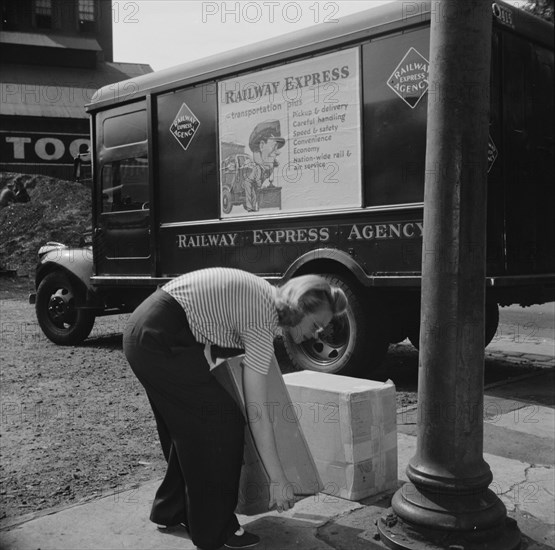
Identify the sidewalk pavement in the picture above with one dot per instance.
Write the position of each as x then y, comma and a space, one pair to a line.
519, 447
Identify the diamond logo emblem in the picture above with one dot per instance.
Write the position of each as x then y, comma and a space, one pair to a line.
184, 126
492, 153
410, 78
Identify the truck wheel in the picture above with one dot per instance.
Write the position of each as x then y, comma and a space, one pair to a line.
351, 345
58, 318
491, 323
226, 200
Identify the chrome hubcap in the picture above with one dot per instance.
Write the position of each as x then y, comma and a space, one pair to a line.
330, 345
60, 307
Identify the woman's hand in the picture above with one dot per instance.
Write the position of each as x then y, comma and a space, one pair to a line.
282, 497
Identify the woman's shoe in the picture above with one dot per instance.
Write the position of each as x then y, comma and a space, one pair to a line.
242, 539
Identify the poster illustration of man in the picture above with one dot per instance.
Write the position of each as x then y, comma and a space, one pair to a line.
265, 143
248, 179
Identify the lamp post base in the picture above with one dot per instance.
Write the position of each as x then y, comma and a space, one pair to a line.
400, 535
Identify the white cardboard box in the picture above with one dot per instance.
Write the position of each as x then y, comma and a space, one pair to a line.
351, 431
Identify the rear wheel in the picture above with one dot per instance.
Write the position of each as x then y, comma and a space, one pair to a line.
350, 345
59, 318
491, 322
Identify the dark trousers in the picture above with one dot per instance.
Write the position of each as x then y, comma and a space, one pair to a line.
201, 429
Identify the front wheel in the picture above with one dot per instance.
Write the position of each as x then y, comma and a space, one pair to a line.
59, 318
350, 345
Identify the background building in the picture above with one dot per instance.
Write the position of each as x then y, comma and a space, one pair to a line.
54, 55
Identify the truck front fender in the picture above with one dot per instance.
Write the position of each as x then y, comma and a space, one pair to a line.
77, 262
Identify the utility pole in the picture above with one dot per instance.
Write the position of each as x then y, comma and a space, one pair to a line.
447, 503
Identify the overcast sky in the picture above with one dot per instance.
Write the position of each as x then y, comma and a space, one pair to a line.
163, 33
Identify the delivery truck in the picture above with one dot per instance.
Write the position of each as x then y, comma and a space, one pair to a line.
306, 154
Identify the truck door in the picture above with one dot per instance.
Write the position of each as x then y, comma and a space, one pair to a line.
122, 226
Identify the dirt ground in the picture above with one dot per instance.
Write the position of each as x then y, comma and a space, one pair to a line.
75, 423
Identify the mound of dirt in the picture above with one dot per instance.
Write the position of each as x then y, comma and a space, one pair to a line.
59, 210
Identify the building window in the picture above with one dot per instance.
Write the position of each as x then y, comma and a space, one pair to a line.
43, 14
87, 16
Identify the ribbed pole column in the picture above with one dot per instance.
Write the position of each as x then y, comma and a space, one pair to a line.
447, 502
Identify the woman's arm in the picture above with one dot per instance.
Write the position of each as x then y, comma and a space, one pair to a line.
256, 401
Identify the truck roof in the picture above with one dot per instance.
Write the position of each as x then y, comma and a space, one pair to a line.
366, 24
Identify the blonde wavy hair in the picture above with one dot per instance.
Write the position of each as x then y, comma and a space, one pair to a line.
306, 294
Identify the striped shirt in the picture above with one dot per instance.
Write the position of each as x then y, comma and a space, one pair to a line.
232, 309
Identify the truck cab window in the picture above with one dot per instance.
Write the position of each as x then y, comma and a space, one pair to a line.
124, 128
125, 185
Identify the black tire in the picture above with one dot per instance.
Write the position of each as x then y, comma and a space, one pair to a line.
226, 200
58, 318
351, 345
491, 323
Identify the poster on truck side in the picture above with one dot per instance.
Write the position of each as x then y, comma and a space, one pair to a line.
290, 137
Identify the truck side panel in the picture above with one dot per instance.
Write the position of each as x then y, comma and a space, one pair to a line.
395, 126
186, 179
528, 156
496, 187
382, 243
